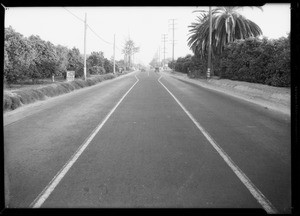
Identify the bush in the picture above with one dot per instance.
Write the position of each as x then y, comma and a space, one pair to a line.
193, 66
109, 76
108, 66
7, 102
96, 70
48, 91
67, 86
91, 82
15, 102
81, 83
26, 96
259, 61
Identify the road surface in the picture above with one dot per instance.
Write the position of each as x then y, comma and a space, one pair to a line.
148, 140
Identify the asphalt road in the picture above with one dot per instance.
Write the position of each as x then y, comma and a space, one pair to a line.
148, 152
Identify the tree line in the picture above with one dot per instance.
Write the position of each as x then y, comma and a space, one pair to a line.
265, 61
33, 58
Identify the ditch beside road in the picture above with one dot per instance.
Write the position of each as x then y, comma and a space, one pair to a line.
274, 98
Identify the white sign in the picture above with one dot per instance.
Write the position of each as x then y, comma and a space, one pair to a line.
70, 76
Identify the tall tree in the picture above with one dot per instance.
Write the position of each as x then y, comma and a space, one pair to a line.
62, 53
96, 59
75, 62
18, 56
46, 63
96, 63
128, 50
227, 26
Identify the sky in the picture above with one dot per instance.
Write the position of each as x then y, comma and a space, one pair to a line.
144, 25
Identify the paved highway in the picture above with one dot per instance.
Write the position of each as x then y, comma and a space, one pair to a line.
148, 140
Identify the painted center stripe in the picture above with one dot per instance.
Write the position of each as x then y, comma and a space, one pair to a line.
264, 202
41, 198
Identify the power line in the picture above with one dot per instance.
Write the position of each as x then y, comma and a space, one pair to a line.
93, 31
87, 26
74, 15
98, 35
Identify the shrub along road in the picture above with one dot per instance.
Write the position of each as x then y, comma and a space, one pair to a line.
150, 141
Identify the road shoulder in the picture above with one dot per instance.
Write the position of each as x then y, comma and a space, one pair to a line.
273, 98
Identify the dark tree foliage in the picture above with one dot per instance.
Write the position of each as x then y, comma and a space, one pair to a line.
265, 61
46, 62
76, 62
18, 56
259, 61
33, 58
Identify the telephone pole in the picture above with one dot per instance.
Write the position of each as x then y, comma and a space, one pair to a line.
164, 52
84, 68
173, 43
209, 45
114, 53
159, 56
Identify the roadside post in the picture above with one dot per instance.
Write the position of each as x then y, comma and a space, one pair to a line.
208, 73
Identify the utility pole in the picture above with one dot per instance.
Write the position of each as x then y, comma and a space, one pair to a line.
84, 68
159, 56
209, 48
164, 41
173, 43
114, 53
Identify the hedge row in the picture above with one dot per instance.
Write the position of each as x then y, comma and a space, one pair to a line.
15, 99
259, 61
264, 61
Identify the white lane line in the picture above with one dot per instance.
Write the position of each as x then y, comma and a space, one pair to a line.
265, 203
41, 198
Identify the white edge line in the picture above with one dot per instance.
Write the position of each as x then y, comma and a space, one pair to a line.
265, 203
41, 198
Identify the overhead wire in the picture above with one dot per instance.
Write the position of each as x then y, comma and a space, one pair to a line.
91, 28
74, 15
98, 35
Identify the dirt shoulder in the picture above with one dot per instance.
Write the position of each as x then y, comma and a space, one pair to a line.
274, 98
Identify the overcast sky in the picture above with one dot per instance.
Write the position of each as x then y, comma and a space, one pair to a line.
144, 25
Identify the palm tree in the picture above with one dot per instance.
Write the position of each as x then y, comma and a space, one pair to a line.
227, 25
